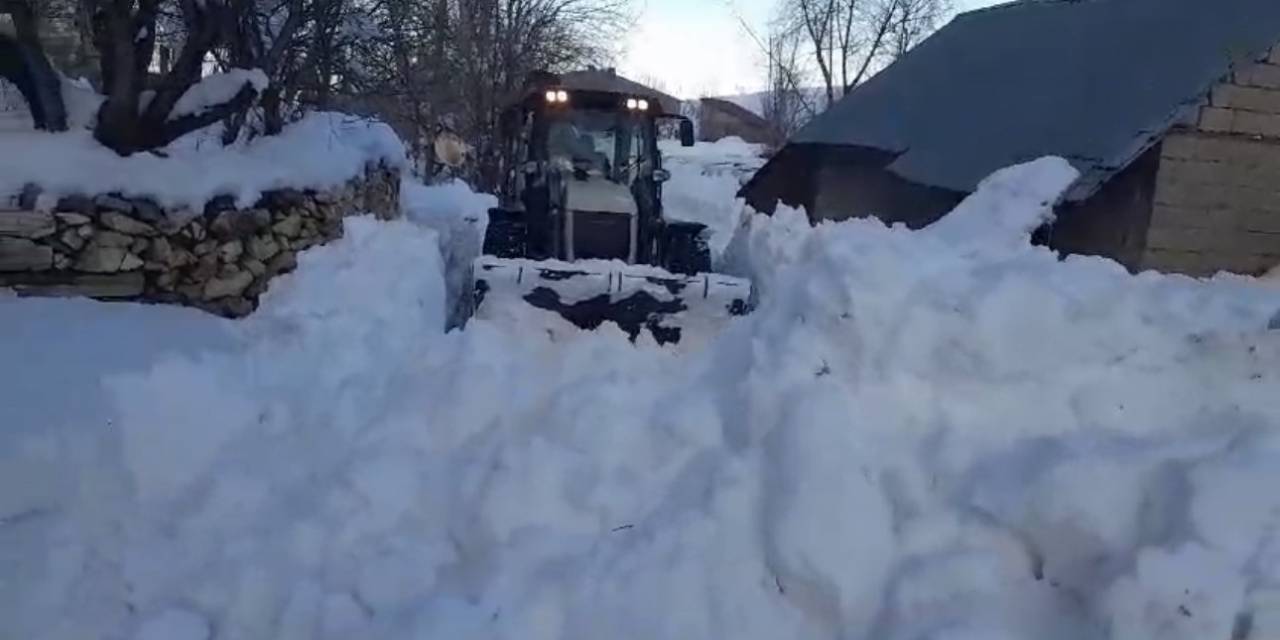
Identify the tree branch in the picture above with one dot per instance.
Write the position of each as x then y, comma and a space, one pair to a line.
176, 128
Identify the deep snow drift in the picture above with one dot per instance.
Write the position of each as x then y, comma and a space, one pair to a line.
943, 434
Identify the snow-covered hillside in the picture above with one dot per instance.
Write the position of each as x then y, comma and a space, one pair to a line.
941, 434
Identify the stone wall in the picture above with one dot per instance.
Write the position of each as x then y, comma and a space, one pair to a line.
219, 259
1217, 199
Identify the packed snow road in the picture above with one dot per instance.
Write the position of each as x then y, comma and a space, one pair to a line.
943, 434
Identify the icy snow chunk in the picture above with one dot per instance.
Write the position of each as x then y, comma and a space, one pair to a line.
389, 487
388, 274
459, 217
172, 439
343, 617
398, 579
302, 613
1008, 205
811, 454
217, 89
1190, 593
1230, 508
174, 624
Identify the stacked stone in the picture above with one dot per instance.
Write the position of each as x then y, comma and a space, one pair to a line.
220, 259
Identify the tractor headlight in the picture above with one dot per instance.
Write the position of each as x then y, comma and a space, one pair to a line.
632, 103
551, 96
562, 96
644, 105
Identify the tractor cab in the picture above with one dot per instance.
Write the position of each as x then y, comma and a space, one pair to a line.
586, 174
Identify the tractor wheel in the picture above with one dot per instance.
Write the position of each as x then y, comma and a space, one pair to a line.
684, 248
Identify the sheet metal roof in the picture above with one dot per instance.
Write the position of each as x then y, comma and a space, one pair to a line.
1094, 81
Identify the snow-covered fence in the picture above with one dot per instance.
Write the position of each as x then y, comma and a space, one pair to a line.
219, 259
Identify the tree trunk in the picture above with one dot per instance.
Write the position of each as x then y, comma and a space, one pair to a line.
24, 63
117, 126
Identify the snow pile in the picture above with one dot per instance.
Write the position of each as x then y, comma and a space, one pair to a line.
705, 180
942, 434
727, 156
458, 215
322, 150
125, 499
217, 89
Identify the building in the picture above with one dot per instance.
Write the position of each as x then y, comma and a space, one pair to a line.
719, 118
1170, 109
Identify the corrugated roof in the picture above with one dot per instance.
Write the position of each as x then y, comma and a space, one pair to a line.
1094, 81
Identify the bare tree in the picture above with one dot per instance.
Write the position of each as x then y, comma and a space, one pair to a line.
428, 66
818, 18
24, 63
914, 21
847, 40
785, 104
451, 66
138, 113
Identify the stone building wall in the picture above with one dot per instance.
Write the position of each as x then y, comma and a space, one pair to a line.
1217, 198
220, 259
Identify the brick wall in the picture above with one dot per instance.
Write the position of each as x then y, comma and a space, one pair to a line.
1217, 199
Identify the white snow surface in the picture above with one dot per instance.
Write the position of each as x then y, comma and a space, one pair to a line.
704, 184
944, 434
459, 216
217, 89
321, 150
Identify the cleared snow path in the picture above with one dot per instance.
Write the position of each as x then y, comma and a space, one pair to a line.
945, 434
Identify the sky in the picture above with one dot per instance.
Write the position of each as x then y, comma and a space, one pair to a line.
691, 48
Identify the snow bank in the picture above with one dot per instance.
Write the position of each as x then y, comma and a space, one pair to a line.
459, 216
705, 180
96, 473
322, 150
941, 434
725, 151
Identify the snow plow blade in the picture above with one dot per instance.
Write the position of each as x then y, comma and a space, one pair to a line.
635, 297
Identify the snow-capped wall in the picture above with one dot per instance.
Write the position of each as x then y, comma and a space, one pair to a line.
219, 259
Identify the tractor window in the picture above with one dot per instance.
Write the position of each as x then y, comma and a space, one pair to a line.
601, 143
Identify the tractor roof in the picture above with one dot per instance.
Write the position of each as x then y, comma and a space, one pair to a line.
605, 81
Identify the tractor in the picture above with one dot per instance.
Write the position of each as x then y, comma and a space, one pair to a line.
580, 229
